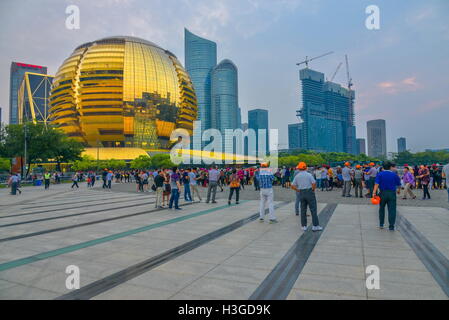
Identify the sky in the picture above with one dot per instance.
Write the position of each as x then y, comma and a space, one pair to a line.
400, 71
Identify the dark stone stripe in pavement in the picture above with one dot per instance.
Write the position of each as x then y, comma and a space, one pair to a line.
436, 263
38, 233
75, 214
278, 284
64, 209
95, 288
81, 199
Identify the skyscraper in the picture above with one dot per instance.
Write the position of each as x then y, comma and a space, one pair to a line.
361, 146
200, 59
258, 119
402, 145
294, 135
327, 114
225, 106
34, 98
377, 138
17, 72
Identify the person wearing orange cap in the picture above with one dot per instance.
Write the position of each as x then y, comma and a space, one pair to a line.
109, 178
347, 174
372, 173
266, 178
304, 184
358, 181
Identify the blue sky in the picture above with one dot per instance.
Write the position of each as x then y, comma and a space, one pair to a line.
400, 72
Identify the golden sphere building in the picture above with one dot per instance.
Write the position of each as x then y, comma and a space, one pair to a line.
122, 92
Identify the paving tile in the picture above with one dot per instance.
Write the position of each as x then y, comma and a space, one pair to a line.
133, 292
221, 289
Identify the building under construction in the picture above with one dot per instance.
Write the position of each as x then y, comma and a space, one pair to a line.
327, 113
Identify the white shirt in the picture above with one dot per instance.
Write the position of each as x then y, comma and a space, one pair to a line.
303, 180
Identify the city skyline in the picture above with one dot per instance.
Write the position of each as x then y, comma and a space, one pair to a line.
389, 80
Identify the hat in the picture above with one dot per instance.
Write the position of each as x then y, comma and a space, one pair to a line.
301, 166
347, 164
358, 166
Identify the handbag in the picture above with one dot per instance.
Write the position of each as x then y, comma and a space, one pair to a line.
153, 187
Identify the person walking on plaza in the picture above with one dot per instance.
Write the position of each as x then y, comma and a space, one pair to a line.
234, 187
358, 181
167, 189
104, 175
13, 182
346, 174
47, 177
445, 172
109, 177
266, 178
387, 182
424, 176
75, 180
194, 184
214, 175
409, 181
256, 180
304, 184
186, 183
175, 186
159, 184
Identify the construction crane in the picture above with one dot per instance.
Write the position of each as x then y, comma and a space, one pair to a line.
336, 71
308, 60
347, 73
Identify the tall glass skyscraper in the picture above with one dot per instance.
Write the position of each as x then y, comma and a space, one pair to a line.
17, 72
200, 59
258, 119
327, 114
225, 106
377, 138
294, 135
402, 145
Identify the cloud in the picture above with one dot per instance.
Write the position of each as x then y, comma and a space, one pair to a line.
393, 87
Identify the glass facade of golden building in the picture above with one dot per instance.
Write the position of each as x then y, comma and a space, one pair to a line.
122, 92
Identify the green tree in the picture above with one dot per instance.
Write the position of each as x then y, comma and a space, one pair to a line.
5, 164
141, 162
161, 160
43, 143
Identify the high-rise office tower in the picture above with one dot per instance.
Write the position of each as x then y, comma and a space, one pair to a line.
327, 114
258, 119
361, 146
377, 138
294, 135
34, 98
239, 118
17, 72
402, 145
200, 59
225, 107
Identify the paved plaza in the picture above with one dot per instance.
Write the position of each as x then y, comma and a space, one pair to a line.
126, 249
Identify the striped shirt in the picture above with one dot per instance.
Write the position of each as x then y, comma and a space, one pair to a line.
266, 179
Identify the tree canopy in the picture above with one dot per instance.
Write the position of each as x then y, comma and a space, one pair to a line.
44, 143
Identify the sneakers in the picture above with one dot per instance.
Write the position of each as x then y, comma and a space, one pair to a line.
304, 228
261, 220
317, 228
273, 221
381, 226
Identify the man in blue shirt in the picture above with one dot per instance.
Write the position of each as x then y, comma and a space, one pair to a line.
388, 182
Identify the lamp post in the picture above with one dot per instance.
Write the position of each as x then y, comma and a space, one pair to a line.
25, 152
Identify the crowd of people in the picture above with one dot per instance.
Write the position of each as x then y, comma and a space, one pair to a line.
368, 181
